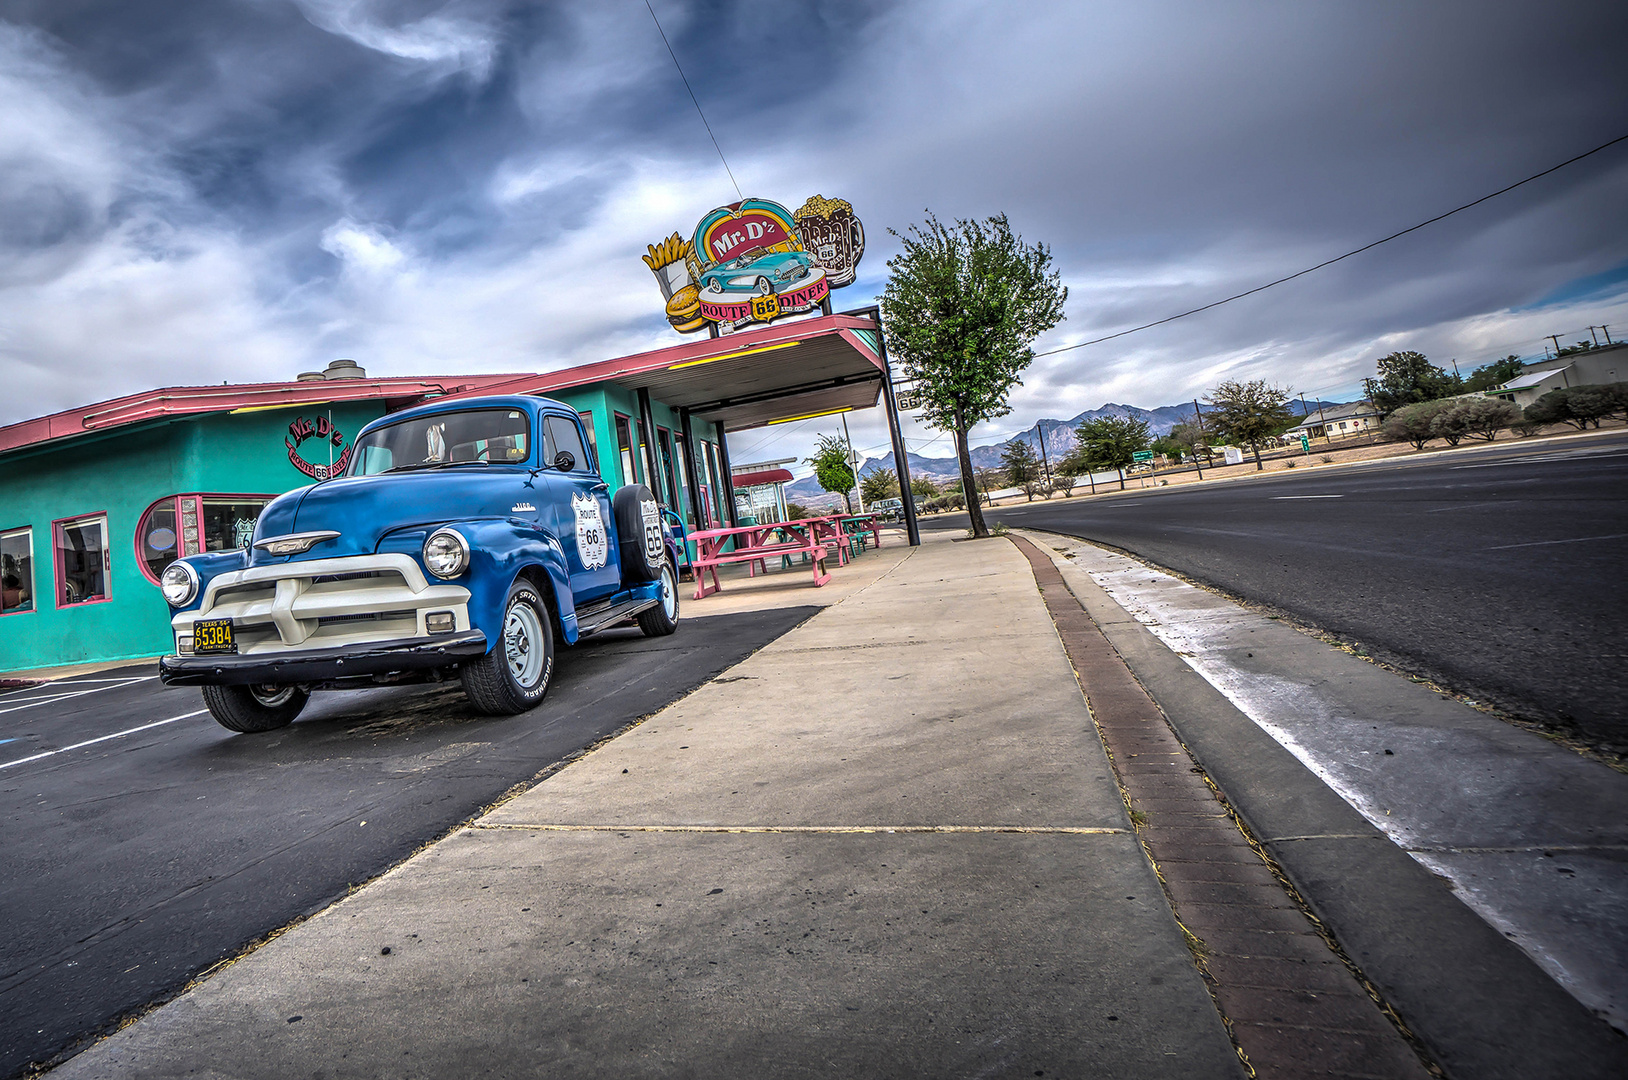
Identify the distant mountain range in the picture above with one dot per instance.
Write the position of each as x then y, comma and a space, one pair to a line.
1059, 436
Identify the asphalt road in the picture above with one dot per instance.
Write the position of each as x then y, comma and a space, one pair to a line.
131, 864
1499, 572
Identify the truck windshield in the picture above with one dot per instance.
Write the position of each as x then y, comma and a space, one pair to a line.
479, 436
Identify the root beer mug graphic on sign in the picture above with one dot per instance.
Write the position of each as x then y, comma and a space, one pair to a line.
834, 236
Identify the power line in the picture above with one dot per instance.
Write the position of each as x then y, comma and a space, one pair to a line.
1337, 258
698, 111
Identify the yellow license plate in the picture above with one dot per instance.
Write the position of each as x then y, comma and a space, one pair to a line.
213, 636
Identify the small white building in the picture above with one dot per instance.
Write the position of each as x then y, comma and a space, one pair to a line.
1335, 422
1608, 364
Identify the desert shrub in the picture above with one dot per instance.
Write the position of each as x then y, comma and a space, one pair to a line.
1579, 406
1412, 423
1525, 429
1484, 417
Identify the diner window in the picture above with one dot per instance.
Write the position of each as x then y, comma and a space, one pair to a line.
624, 448
82, 562
180, 525
16, 571
713, 472
593, 440
664, 445
562, 435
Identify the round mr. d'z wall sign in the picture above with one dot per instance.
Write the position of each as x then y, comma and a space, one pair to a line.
330, 442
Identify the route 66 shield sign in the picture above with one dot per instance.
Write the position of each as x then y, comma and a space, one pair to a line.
592, 545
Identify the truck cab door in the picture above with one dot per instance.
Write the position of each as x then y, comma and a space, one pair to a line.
579, 511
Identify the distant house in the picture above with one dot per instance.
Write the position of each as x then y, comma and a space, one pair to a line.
1335, 422
1604, 365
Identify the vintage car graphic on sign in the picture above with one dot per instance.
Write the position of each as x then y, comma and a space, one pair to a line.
415, 564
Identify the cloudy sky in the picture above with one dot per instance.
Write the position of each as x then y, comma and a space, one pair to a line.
240, 190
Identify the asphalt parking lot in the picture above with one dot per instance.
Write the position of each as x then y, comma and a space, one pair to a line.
143, 843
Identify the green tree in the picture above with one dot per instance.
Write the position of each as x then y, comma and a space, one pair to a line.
922, 486
833, 468
1170, 447
1193, 437
1111, 442
1022, 467
1249, 413
1496, 373
961, 306
878, 485
1406, 378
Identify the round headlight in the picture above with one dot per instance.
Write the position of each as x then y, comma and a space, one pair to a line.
446, 553
179, 583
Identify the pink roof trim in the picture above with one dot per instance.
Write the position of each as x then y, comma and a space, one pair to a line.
767, 476
626, 367
193, 400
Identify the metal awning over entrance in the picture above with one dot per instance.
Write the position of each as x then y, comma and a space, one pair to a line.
786, 371
777, 373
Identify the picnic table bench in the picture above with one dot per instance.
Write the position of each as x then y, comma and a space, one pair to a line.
752, 546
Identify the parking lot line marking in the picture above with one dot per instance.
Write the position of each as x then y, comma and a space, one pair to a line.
73, 694
104, 738
1546, 543
1041, 830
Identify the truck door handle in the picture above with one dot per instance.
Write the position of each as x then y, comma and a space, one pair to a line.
601, 487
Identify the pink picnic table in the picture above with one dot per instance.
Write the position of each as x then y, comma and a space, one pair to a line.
752, 546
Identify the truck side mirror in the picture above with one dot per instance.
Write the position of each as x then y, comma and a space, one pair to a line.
565, 461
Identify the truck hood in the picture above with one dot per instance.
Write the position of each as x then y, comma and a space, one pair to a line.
363, 509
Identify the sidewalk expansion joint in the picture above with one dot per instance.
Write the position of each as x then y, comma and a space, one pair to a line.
1269, 964
1024, 830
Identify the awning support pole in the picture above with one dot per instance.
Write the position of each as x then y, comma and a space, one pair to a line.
652, 460
901, 463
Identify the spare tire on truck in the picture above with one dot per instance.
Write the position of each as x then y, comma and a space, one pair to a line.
640, 535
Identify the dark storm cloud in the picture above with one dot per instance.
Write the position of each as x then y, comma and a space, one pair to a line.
239, 189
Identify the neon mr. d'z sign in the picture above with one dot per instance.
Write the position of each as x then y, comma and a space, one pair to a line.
327, 435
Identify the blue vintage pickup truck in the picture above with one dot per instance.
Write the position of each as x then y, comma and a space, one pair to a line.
462, 539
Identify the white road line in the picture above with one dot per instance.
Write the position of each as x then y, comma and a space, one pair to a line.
74, 694
104, 738
1279, 498
1545, 543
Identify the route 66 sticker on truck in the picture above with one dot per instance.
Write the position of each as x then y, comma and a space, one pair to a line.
463, 538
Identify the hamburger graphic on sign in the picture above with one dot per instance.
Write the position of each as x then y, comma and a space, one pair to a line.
754, 261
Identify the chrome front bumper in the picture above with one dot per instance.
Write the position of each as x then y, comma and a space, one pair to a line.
352, 602
316, 666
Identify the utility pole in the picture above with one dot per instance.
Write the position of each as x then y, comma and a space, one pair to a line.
853, 463
1595, 336
1556, 339
1606, 330
1040, 428
1456, 375
1199, 416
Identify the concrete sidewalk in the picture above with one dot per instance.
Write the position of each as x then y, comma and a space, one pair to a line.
888, 844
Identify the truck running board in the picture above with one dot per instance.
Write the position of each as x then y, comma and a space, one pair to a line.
596, 618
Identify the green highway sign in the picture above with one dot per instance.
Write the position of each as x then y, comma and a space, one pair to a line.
1142, 455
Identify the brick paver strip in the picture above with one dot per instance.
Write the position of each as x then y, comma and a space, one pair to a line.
1295, 1006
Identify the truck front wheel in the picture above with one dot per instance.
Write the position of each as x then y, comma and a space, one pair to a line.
514, 676
254, 708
